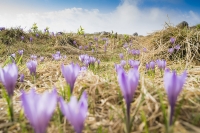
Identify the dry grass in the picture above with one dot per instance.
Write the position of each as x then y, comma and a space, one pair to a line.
105, 100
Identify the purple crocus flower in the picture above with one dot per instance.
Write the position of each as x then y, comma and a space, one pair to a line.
96, 39
8, 77
171, 50
31, 39
147, 66
75, 111
92, 50
152, 65
70, 73
32, 64
22, 38
172, 40
21, 78
80, 47
74, 42
128, 85
173, 86
134, 63
144, 50
37, 35
122, 63
161, 64
121, 56
177, 47
39, 108
21, 52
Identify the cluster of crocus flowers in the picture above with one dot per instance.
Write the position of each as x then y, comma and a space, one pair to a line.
57, 56
150, 65
134, 63
39, 108
173, 86
70, 73
128, 85
32, 64
75, 111
87, 60
135, 52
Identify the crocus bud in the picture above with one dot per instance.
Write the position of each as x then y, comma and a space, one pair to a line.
173, 86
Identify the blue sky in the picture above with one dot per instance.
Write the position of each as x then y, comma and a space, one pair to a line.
123, 16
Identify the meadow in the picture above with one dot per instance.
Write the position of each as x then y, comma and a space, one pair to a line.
124, 83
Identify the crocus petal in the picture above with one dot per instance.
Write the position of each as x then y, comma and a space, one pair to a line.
8, 76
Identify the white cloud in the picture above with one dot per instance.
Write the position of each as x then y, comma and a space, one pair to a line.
127, 18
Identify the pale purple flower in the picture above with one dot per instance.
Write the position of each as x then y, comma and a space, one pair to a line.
144, 50
172, 40
70, 73
125, 45
161, 64
134, 63
92, 50
8, 77
37, 35
152, 65
171, 50
121, 56
74, 42
31, 39
21, 78
33, 57
21, 52
83, 68
128, 85
177, 47
39, 108
57, 56
96, 39
80, 47
22, 38
13, 55
173, 86
32, 64
122, 63
75, 111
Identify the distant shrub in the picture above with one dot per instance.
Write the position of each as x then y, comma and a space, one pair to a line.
198, 26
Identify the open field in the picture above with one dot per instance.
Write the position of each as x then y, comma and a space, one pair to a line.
105, 99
